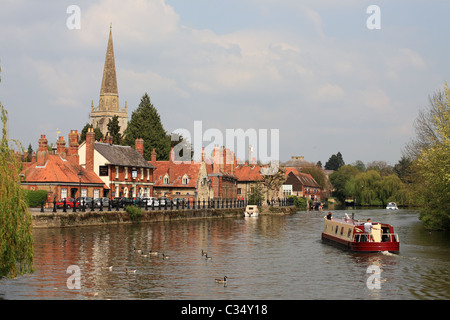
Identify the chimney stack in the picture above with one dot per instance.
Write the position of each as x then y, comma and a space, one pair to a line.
61, 147
73, 147
108, 139
153, 158
90, 140
139, 145
42, 154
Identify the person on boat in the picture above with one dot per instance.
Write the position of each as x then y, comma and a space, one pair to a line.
329, 216
368, 228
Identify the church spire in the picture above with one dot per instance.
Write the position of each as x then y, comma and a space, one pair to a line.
109, 81
108, 106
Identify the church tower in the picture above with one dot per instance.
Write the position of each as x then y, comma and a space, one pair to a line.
109, 95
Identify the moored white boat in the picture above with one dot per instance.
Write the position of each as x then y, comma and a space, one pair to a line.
392, 206
251, 211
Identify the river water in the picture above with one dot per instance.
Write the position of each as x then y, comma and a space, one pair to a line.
268, 257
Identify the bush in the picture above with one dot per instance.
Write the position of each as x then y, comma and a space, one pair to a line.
300, 202
35, 197
135, 212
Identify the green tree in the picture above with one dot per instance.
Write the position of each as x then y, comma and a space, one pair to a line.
16, 238
97, 131
339, 180
404, 169
145, 123
29, 153
335, 162
433, 166
256, 194
114, 130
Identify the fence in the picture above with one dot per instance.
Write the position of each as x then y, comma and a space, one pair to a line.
183, 205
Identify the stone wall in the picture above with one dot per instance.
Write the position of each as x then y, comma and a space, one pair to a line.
93, 218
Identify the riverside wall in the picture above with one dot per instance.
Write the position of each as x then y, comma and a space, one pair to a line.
97, 218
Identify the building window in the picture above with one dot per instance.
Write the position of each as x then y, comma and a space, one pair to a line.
185, 179
126, 172
166, 179
84, 192
148, 174
63, 193
142, 173
125, 192
117, 172
96, 193
287, 190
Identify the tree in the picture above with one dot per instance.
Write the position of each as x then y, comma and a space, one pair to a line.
145, 123
97, 131
425, 125
273, 182
404, 169
360, 165
114, 130
29, 153
339, 180
256, 195
433, 162
16, 238
335, 162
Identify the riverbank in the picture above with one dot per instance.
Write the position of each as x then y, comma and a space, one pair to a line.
96, 218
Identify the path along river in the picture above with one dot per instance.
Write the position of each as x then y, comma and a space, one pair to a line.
268, 257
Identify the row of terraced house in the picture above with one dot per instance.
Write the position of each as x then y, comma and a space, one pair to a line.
103, 169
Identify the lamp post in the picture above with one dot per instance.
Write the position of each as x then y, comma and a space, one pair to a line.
80, 174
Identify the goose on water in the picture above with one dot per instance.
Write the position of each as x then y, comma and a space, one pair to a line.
224, 280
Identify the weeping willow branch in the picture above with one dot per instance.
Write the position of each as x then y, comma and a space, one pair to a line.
16, 238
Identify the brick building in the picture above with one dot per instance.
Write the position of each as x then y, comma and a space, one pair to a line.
59, 171
123, 169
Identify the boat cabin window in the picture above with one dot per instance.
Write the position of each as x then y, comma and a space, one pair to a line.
349, 233
342, 231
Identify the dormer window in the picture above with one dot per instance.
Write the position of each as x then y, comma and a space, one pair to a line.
185, 179
166, 179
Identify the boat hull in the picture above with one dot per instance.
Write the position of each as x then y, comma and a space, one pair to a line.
393, 247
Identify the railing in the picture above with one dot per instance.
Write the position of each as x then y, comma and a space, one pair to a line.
368, 237
179, 205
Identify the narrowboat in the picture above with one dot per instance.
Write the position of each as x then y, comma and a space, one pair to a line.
350, 234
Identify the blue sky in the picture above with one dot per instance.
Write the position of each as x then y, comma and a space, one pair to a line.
311, 69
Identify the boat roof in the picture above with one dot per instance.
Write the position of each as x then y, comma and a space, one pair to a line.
354, 222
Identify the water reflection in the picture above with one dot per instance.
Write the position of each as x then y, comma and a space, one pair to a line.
277, 257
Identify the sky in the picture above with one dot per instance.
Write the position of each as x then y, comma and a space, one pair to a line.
313, 70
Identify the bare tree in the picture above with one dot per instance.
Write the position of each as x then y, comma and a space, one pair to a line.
425, 126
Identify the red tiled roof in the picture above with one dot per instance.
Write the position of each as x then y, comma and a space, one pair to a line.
248, 173
178, 170
58, 170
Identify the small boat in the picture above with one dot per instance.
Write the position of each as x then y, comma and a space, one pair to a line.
251, 211
392, 206
350, 234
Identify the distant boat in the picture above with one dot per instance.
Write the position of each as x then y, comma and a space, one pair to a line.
349, 201
251, 211
392, 206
